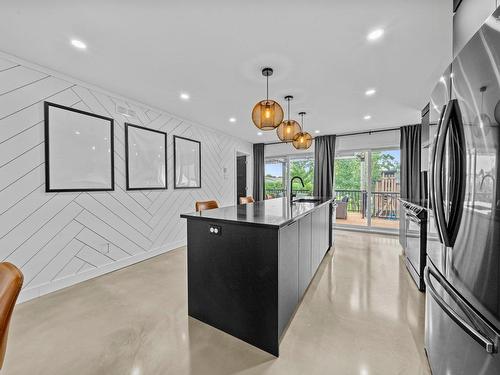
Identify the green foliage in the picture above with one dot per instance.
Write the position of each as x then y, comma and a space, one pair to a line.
300, 167
273, 183
305, 169
347, 174
382, 162
348, 171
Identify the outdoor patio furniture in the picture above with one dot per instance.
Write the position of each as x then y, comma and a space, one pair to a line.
342, 208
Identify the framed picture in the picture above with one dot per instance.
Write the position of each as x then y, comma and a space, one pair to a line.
187, 163
79, 151
145, 158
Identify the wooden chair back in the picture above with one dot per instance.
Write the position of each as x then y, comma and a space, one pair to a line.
11, 281
205, 205
245, 200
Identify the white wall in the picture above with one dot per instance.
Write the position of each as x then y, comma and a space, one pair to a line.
386, 139
58, 239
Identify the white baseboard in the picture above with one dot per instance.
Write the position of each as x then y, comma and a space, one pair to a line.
40, 290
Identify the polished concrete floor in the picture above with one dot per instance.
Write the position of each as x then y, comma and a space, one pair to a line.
361, 315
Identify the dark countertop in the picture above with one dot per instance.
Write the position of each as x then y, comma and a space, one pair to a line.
274, 213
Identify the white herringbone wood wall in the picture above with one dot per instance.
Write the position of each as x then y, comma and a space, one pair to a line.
58, 239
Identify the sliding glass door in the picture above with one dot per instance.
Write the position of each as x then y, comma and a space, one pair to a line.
367, 188
385, 184
351, 187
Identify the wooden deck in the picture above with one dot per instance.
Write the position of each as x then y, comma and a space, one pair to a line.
354, 218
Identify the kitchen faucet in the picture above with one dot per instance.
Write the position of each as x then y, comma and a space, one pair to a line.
292, 195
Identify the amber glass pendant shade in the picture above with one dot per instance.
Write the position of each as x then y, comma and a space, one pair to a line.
302, 140
289, 128
267, 114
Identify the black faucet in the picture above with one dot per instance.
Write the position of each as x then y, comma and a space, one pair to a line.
292, 195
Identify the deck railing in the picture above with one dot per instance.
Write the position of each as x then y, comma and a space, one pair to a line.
383, 204
277, 193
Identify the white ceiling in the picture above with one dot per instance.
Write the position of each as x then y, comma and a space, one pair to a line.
214, 50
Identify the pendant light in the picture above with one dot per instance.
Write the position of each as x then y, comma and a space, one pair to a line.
302, 140
267, 114
288, 129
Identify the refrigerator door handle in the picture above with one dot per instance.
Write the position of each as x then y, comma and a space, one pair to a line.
435, 177
459, 178
451, 127
484, 341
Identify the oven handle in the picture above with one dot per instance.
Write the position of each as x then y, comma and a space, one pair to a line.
484, 341
413, 219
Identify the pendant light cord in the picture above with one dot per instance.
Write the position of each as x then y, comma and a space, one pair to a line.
267, 88
302, 115
289, 110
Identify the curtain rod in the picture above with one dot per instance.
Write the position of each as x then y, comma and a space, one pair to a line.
369, 132
348, 134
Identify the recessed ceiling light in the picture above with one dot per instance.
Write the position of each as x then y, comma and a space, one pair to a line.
370, 92
259, 133
375, 34
316, 131
232, 119
184, 96
78, 44
367, 117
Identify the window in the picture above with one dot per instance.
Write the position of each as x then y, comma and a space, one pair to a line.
279, 170
304, 168
275, 177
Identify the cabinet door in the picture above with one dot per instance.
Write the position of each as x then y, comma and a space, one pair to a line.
326, 223
305, 253
288, 279
334, 219
316, 240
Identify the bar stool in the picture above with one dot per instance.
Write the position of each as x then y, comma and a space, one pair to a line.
205, 205
245, 200
11, 281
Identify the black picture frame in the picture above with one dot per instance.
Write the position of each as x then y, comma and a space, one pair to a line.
127, 170
198, 143
48, 188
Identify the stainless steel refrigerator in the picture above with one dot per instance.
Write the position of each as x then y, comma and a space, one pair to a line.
462, 320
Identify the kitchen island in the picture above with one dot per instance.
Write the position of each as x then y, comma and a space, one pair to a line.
250, 265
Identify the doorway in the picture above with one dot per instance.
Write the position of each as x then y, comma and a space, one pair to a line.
367, 184
241, 177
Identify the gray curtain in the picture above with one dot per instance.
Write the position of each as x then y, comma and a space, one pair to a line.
258, 171
324, 157
410, 163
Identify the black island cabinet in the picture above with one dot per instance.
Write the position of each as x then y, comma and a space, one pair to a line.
250, 265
